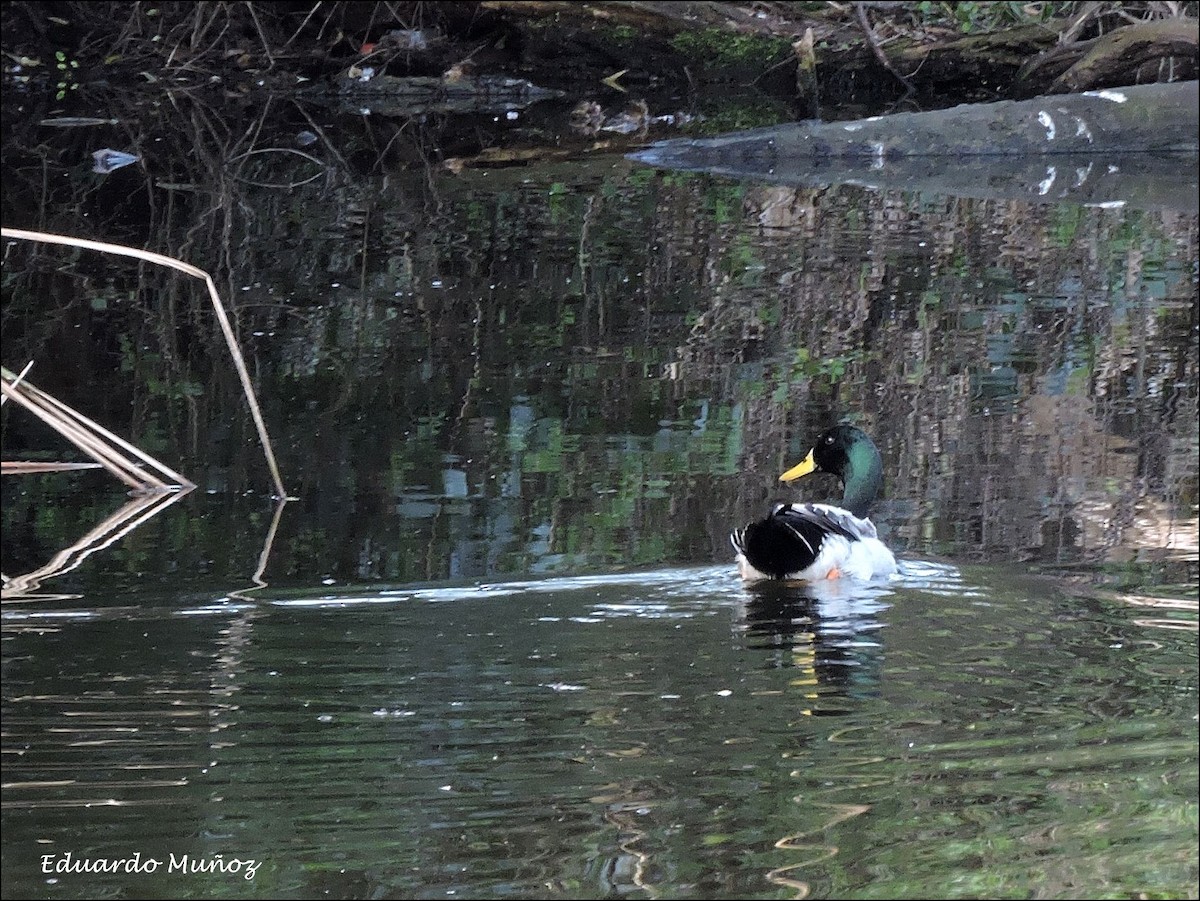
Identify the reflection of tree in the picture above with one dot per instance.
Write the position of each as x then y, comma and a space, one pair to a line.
587, 365
947, 351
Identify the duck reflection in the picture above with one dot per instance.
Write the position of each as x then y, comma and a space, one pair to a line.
831, 632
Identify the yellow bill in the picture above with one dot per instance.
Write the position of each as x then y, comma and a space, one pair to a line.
800, 469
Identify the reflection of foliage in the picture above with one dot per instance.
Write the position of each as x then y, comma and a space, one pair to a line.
621, 34
736, 115
831, 369
743, 262
724, 202
614, 360
147, 368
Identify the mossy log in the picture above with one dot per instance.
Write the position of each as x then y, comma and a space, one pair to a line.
1156, 118
1065, 147
1116, 58
987, 60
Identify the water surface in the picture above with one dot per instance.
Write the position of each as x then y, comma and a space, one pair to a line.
496, 647
663, 733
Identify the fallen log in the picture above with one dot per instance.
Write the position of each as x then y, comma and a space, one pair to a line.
1090, 148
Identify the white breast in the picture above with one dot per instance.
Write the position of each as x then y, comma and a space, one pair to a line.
867, 558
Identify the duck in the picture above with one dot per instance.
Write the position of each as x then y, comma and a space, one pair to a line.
816, 542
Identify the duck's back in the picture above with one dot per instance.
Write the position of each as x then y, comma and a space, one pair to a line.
812, 542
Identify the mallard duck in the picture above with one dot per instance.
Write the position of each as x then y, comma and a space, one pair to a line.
811, 542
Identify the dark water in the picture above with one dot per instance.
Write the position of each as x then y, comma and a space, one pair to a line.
957, 734
496, 647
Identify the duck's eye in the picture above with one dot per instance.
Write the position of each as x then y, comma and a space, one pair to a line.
829, 440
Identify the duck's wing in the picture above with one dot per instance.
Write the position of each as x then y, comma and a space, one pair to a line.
832, 519
791, 539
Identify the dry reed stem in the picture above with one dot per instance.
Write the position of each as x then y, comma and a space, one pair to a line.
222, 318
93, 439
19, 467
16, 381
124, 470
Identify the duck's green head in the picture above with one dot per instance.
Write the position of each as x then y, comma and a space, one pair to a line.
849, 454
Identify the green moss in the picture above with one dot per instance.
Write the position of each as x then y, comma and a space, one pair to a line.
717, 47
620, 34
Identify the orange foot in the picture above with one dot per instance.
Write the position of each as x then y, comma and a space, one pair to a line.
834, 574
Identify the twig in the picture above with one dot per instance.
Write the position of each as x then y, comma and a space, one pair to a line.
292, 184
1087, 12
18, 467
312, 12
261, 36
246, 153
321, 133
869, 34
